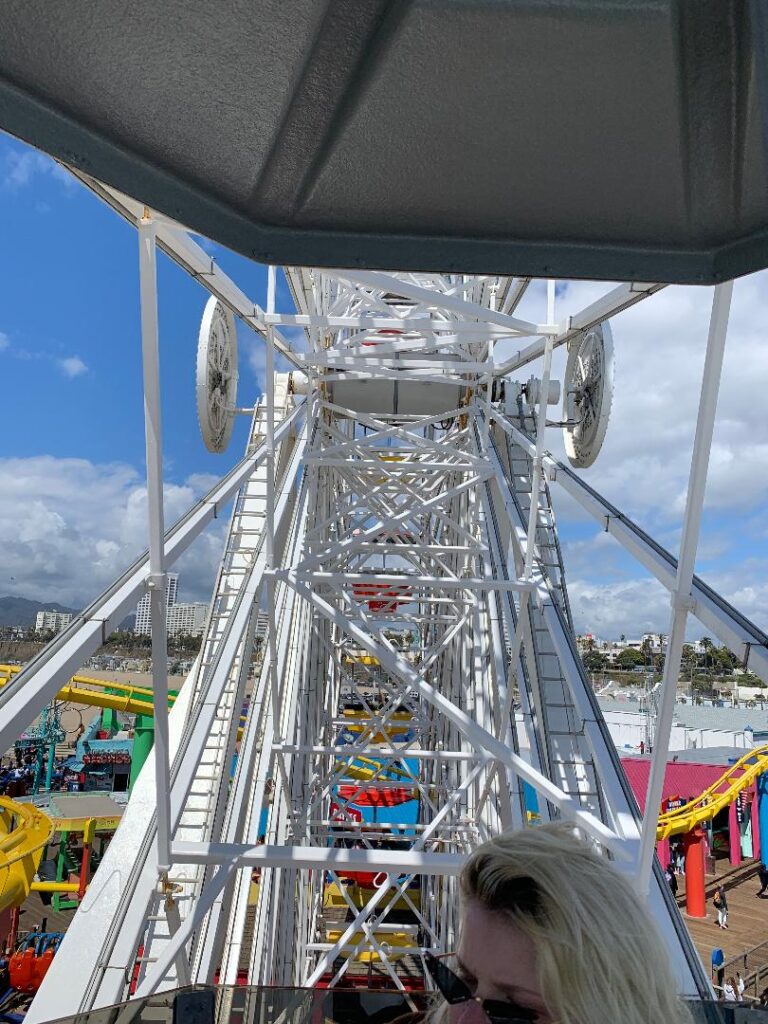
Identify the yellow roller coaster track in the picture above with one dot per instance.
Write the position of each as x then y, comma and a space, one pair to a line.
718, 796
24, 833
134, 700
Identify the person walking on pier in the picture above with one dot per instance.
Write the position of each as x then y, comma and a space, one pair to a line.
740, 986
762, 874
721, 906
669, 874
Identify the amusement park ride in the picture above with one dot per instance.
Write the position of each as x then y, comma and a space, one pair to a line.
394, 516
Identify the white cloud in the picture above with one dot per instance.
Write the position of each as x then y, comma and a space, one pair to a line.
255, 348
644, 464
5, 341
642, 605
659, 354
21, 166
84, 523
631, 607
72, 366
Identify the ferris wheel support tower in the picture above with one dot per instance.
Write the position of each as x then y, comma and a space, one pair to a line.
394, 515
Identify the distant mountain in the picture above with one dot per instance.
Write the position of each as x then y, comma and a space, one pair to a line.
18, 611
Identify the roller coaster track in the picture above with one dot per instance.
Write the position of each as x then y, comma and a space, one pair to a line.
716, 797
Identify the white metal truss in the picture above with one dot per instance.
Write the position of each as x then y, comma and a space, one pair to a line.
394, 520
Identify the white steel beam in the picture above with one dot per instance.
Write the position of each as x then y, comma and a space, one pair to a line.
480, 738
608, 305
395, 862
681, 599
156, 580
177, 243
437, 300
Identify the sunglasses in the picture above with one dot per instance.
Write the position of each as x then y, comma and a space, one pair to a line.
455, 991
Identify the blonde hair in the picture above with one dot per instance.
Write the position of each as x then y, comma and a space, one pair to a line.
600, 959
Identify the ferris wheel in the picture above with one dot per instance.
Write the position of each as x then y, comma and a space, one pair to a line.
420, 690
392, 546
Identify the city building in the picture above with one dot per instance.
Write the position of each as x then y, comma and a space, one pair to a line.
656, 643
52, 622
188, 619
143, 614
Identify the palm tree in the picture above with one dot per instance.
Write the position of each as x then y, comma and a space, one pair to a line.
706, 643
645, 649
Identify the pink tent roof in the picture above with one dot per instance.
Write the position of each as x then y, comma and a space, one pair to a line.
683, 778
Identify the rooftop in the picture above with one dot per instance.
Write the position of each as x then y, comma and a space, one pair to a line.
697, 716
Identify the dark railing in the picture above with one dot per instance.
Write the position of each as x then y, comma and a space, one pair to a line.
752, 964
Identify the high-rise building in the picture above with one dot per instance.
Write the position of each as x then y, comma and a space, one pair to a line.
143, 613
52, 622
187, 618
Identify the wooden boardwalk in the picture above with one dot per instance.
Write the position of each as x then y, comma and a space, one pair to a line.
747, 920
34, 912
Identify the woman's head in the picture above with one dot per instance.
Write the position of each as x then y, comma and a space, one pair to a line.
548, 923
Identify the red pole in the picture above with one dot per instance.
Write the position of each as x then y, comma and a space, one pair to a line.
695, 899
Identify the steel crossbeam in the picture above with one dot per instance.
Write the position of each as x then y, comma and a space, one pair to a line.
729, 626
419, 648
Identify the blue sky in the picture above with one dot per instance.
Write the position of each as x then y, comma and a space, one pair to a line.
71, 319
72, 444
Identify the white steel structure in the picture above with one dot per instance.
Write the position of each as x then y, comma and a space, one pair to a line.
393, 518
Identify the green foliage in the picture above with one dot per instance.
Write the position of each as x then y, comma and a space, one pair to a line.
630, 658
724, 660
594, 661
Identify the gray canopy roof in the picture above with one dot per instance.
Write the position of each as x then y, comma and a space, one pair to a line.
615, 139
